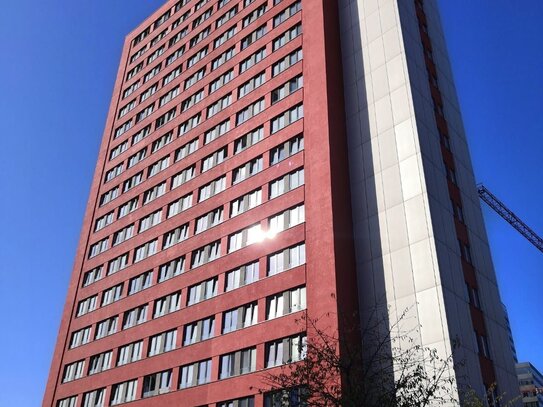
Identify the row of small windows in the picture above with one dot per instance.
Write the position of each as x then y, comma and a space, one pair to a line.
293, 397
222, 80
176, 72
240, 205
278, 305
279, 352
253, 234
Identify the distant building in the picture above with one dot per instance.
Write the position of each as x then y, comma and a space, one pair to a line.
530, 381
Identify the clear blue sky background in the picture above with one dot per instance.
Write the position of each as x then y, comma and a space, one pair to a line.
58, 62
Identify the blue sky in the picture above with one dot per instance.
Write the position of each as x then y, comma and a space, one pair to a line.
59, 61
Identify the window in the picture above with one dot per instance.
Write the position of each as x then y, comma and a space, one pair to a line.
286, 259
68, 402
95, 398
285, 150
87, 305
197, 57
155, 54
146, 250
286, 183
171, 269
138, 53
152, 73
161, 20
168, 97
209, 220
237, 363
248, 139
241, 276
150, 91
199, 331
286, 62
123, 392
239, 318
195, 374
103, 221
217, 131
119, 131
202, 291
167, 304
163, 342
253, 37
99, 363
98, 247
160, 165
189, 124
250, 111
114, 172
135, 316
287, 118
171, 76
287, 36
157, 191
224, 37
287, 219
175, 236
182, 204
116, 151
247, 170
214, 159
254, 15
140, 282
92, 276
109, 196
212, 188
222, 3
157, 383
129, 353
177, 37
482, 345
134, 71
202, 17
465, 252
127, 208
219, 83
126, 108
157, 38
285, 303
117, 264
206, 254
165, 118
174, 56
243, 402
286, 89
252, 60
133, 181
286, 13
251, 84
223, 58
457, 211
123, 234
195, 77
226, 16
245, 237
106, 327
184, 176
73, 371
150, 220
140, 135
141, 36
219, 105
294, 397
131, 89
192, 100
199, 37
286, 350
80, 337
186, 149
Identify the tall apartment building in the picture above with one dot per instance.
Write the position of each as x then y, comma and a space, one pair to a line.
530, 381
263, 158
